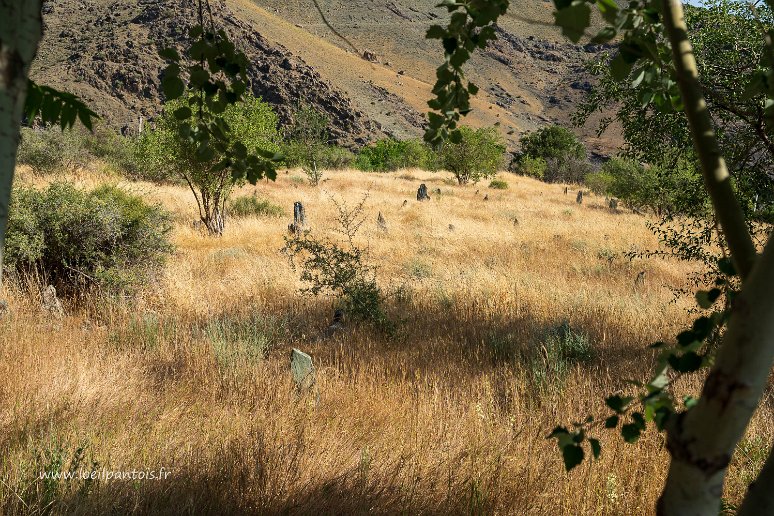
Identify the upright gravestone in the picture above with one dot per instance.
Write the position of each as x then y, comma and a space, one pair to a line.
422, 193
299, 218
302, 369
579, 198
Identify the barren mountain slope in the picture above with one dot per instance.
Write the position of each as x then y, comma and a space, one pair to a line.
106, 52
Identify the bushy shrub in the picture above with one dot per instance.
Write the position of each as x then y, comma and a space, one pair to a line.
560, 348
599, 182
252, 206
531, 167
567, 170
308, 145
669, 190
552, 142
77, 240
328, 157
50, 150
340, 268
253, 124
553, 154
389, 155
498, 184
479, 154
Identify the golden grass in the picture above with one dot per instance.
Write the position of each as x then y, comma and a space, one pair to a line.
429, 421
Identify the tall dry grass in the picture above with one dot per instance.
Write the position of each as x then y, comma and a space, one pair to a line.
448, 415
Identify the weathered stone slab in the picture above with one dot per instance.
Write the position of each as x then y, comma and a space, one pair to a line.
302, 369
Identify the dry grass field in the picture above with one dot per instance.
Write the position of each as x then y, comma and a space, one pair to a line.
448, 415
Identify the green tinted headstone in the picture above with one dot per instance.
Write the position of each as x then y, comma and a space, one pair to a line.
302, 369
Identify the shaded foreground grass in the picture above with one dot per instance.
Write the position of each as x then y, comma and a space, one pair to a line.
449, 415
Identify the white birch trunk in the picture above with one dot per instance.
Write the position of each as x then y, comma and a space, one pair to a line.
20, 32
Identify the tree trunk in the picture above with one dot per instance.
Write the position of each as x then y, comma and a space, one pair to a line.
20, 31
702, 440
716, 176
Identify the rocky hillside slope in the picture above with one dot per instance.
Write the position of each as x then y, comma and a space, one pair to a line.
374, 81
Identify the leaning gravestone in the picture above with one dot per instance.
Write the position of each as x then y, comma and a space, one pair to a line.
381, 222
299, 218
422, 193
302, 369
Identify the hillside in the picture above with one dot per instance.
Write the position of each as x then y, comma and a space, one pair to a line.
106, 52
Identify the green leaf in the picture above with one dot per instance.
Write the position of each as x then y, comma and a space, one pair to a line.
572, 455
172, 86
620, 68
686, 363
183, 113
596, 449
436, 32
631, 433
169, 54
573, 20
618, 403
708, 298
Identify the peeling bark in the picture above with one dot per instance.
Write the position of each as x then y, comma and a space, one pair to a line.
20, 32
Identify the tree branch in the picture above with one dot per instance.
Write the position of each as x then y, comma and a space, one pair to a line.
716, 176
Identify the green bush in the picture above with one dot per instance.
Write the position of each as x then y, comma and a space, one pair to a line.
531, 167
253, 124
552, 142
670, 190
341, 269
327, 157
77, 241
251, 206
389, 155
51, 150
560, 348
498, 184
479, 154
567, 170
553, 154
599, 182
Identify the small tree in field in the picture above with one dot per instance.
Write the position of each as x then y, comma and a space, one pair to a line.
308, 141
252, 122
479, 154
560, 149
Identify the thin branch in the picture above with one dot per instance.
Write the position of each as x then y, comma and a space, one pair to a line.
337, 33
